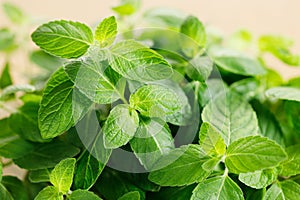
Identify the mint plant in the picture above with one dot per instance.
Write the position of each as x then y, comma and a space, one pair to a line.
172, 112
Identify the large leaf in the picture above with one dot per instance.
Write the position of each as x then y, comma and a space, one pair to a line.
46, 155
96, 79
106, 31
62, 38
253, 153
152, 140
61, 106
15, 187
284, 93
83, 194
291, 166
286, 190
259, 179
4, 194
182, 166
161, 101
232, 116
138, 62
120, 126
217, 188
49, 193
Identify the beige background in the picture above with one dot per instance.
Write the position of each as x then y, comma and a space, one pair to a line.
258, 16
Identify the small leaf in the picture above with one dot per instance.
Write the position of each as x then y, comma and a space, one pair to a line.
195, 31
211, 141
39, 175
291, 166
137, 62
159, 100
152, 140
83, 194
65, 39
106, 32
46, 155
45, 60
286, 190
120, 126
135, 195
14, 13
199, 68
217, 188
49, 193
61, 107
253, 153
128, 7
182, 166
15, 187
62, 175
5, 77
7, 40
259, 179
284, 93
12, 89
232, 116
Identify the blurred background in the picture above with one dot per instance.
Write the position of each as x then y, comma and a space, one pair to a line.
278, 17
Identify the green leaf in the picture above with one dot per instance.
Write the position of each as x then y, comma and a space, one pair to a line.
152, 140
136, 61
49, 193
199, 68
96, 79
232, 116
222, 187
62, 175
174, 193
291, 166
253, 153
62, 38
1, 171
106, 32
135, 195
286, 190
128, 7
284, 93
239, 65
7, 40
4, 194
195, 31
46, 155
61, 107
83, 194
12, 89
25, 121
15, 187
5, 77
143, 182
45, 60
120, 126
158, 100
182, 166
14, 13
211, 141
39, 175
259, 179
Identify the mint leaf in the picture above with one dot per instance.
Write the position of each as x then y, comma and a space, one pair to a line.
211, 141
1, 171
136, 61
46, 156
39, 175
259, 179
49, 193
12, 89
62, 175
96, 79
284, 93
222, 187
291, 166
174, 193
7, 40
45, 60
62, 38
15, 187
196, 36
160, 101
127, 7
199, 68
4, 194
283, 190
5, 77
135, 195
253, 153
182, 166
83, 194
120, 126
152, 140
14, 13
106, 32
232, 116
61, 106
